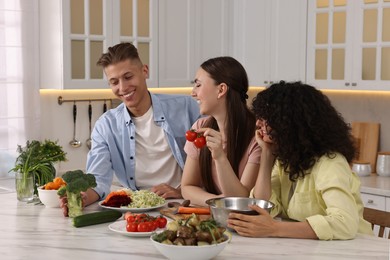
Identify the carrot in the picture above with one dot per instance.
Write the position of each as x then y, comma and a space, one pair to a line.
190, 210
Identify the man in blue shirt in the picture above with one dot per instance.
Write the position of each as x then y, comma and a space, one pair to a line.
141, 141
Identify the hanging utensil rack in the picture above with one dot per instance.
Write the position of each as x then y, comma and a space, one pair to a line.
61, 100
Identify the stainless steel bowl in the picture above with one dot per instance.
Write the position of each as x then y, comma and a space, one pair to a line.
221, 207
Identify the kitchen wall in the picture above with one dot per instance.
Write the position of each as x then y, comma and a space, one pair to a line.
57, 120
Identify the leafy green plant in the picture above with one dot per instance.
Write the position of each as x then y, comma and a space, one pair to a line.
38, 158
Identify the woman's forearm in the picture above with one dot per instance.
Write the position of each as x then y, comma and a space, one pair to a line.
229, 183
263, 189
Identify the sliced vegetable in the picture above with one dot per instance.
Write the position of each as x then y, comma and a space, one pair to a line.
190, 210
96, 218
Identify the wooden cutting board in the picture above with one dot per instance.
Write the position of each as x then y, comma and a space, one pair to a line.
367, 139
170, 213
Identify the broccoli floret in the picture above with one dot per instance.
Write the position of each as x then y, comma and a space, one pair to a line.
76, 182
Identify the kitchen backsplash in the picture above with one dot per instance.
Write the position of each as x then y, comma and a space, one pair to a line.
57, 120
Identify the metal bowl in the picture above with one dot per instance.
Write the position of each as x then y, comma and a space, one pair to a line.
221, 207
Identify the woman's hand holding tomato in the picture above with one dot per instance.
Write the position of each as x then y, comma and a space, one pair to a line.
198, 139
214, 142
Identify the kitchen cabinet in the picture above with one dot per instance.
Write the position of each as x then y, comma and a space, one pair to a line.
190, 32
374, 201
377, 202
349, 44
267, 37
270, 39
74, 33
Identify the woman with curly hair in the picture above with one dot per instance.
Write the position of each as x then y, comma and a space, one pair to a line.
229, 163
307, 148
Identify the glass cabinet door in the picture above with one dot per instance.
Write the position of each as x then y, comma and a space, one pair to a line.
95, 25
374, 47
328, 51
349, 44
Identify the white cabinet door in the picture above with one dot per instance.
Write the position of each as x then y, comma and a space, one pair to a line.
348, 44
388, 204
190, 32
373, 201
74, 34
270, 39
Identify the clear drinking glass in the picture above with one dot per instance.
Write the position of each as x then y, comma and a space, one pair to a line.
24, 184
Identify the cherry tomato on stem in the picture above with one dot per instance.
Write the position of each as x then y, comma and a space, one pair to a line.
191, 135
200, 141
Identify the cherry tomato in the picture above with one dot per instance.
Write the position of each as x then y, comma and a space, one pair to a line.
130, 218
200, 141
143, 227
162, 222
132, 227
155, 224
150, 226
140, 217
191, 135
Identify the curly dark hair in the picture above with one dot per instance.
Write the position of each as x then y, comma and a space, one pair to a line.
241, 122
304, 126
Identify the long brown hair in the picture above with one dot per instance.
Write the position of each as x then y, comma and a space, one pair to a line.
241, 123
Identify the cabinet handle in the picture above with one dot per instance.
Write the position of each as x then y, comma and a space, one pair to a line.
370, 201
265, 82
192, 81
271, 82
347, 84
354, 84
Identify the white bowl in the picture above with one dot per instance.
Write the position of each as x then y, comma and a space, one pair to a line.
49, 197
189, 252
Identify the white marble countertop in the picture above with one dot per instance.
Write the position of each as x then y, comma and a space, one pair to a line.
377, 185
30, 231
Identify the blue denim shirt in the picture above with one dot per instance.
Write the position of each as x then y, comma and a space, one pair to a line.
113, 139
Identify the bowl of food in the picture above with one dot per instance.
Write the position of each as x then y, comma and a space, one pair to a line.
221, 207
48, 193
189, 252
191, 239
49, 198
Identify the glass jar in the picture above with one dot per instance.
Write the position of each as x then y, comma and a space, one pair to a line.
24, 184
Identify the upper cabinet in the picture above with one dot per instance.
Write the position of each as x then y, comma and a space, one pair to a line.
267, 37
190, 32
270, 39
349, 44
173, 37
74, 34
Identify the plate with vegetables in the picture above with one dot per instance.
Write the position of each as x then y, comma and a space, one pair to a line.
139, 225
138, 201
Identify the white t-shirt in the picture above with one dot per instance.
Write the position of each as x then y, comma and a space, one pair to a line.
155, 162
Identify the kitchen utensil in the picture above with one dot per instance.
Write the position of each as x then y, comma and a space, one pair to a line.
367, 139
221, 207
383, 164
88, 141
361, 168
104, 107
74, 143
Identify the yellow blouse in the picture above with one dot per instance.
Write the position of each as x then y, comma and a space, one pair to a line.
328, 198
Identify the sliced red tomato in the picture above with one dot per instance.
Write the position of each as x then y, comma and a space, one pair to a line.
191, 135
200, 141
